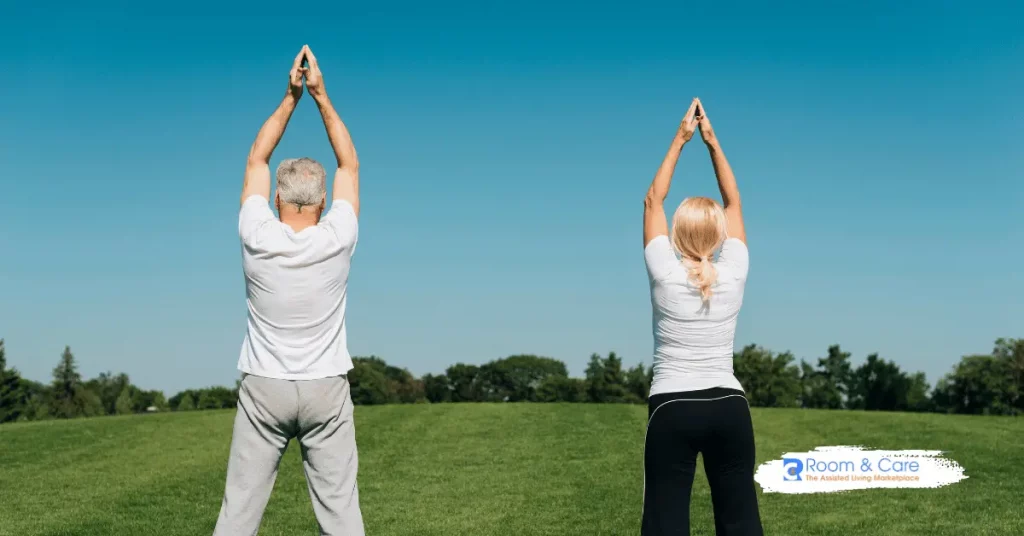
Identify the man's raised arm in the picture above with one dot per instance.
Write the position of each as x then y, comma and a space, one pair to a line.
346, 178
257, 168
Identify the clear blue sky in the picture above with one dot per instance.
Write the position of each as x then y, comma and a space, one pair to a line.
505, 152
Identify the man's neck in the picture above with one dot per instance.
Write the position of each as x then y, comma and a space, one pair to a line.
299, 218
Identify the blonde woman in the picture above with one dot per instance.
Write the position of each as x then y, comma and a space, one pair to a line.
696, 404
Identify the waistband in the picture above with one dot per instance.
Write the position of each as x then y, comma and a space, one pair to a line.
703, 395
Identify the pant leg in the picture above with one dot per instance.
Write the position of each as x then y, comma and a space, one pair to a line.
670, 461
264, 422
328, 438
729, 464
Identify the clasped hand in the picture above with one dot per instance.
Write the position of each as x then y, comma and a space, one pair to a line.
696, 117
308, 70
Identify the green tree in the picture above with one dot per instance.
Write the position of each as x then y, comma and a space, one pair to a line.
157, 401
373, 381
186, 403
123, 404
814, 391
606, 382
614, 379
880, 385
637, 386
1011, 352
562, 389
829, 385
403, 384
595, 379
917, 394
369, 382
12, 398
108, 387
769, 380
979, 384
436, 388
516, 378
218, 397
37, 401
464, 382
69, 397
206, 400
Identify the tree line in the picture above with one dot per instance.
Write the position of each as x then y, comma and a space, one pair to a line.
991, 384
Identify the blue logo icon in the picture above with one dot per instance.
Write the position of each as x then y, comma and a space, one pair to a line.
791, 469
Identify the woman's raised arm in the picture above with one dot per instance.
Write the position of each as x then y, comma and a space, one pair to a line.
655, 222
726, 179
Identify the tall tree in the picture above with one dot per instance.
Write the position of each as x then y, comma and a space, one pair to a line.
1011, 352
880, 385
836, 374
814, 391
69, 397
614, 379
595, 379
12, 400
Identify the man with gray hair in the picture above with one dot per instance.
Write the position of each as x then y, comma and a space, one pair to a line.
294, 358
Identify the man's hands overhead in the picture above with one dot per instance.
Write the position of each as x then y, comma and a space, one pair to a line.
296, 74
314, 78
305, 68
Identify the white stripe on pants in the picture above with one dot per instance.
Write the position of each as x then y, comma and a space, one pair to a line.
270, 412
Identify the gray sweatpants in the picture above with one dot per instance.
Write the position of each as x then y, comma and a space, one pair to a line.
271, 412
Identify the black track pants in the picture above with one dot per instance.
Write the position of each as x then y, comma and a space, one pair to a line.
713, 422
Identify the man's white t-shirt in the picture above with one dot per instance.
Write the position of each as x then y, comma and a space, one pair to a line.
295, 285
693, 342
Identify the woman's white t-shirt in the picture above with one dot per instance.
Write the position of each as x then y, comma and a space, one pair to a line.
693, 342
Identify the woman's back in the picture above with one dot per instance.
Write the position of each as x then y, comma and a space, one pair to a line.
693, 339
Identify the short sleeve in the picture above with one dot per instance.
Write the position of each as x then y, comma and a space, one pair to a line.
735, 255
342, 221
253, 217
660, 257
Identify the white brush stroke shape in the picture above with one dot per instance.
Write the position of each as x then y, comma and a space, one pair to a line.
847, 468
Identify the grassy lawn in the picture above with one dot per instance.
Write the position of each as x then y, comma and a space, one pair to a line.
488, 469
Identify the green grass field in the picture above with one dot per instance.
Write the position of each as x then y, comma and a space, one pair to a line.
488, 469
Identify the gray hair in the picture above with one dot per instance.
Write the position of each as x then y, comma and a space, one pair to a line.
301, 182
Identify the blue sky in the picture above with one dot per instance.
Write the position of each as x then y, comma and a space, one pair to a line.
505, 152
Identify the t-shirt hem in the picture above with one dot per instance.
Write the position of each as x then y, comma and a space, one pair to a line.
301, 376
684, 385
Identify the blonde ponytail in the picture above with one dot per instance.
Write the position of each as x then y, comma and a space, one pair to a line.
703, 274
698, 229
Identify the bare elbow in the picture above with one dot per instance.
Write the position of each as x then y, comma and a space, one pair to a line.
733, 201
349, 168
652, 200
255, 162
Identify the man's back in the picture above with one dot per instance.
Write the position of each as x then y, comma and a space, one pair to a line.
296, 292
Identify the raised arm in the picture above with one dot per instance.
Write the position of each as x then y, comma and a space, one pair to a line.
655, 223
346, 178
257, 168
726, 180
